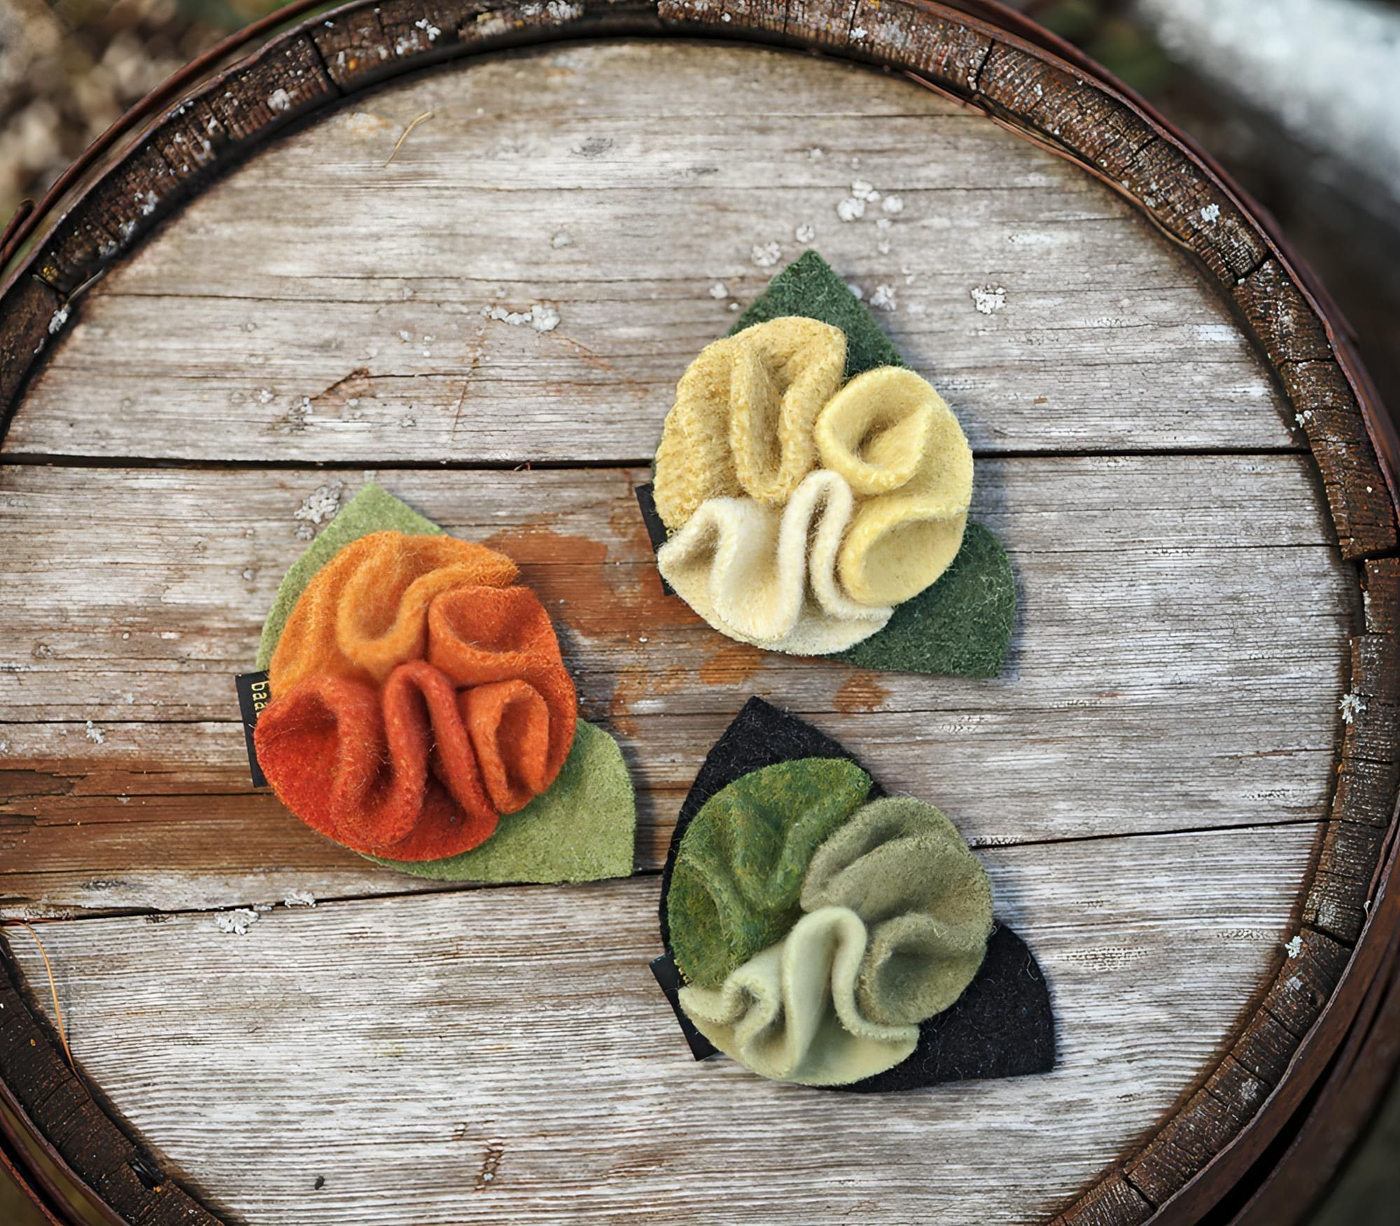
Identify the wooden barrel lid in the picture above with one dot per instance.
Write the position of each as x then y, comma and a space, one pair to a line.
1181, 784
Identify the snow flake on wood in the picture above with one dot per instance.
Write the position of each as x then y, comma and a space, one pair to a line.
319, 506
541, 316
988, 299
94, 733
767, 255
1351, 705
883, 299
236, 922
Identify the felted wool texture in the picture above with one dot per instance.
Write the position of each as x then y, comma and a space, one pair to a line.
760, 735
909, 523
366, 610
1001, 1026
810, 287
959, 627
739, 871
768, 577
902, 866
791, 1011
353, 760
743, 416
371, 510
419, 768
582, 829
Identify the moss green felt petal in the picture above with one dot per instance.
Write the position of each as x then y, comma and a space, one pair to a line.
958, 627
810, 287
582, 829
371, 510
739, 869
902, 866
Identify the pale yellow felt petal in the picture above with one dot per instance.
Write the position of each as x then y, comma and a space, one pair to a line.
791, 1012
902, 541
875, 430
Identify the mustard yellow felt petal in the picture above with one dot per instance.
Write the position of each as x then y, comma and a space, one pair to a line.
743, 417
693, 462
901, 541
784, 372
875, 430
791, 1012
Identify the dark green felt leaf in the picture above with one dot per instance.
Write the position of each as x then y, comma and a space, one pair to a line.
958, 627
740, 865
810, 287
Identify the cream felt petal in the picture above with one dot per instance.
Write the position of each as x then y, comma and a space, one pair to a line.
900, 542
902, 866
791, 1012
769, 577
743, 416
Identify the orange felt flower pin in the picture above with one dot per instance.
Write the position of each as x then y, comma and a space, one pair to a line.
418, 694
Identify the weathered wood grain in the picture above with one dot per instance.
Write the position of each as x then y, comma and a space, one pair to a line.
357, 333
1177, 663
1185, 630
401, 1052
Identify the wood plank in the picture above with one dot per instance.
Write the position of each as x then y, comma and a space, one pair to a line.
1177, 665
285, 1055
320, 305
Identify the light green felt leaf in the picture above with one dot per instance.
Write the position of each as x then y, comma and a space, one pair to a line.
582, 829
371, 510
961, 625
739, 868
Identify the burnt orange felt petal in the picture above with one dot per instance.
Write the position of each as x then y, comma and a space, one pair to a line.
509, 726
389, 773
481, 636
365, 612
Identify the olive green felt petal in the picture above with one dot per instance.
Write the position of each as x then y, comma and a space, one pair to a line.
958, 627
582, 829
371, 510
739, 869
902, 866
810, 287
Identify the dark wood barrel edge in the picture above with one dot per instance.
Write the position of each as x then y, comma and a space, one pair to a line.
75, 1127
980, 56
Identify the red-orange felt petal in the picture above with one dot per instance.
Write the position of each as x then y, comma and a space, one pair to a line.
390, 774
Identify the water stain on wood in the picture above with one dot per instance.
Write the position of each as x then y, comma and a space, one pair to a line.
634, 685
732, 664
584, 589
861, 691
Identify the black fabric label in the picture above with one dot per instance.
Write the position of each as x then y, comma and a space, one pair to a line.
253, 695
670, 980
656, 529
